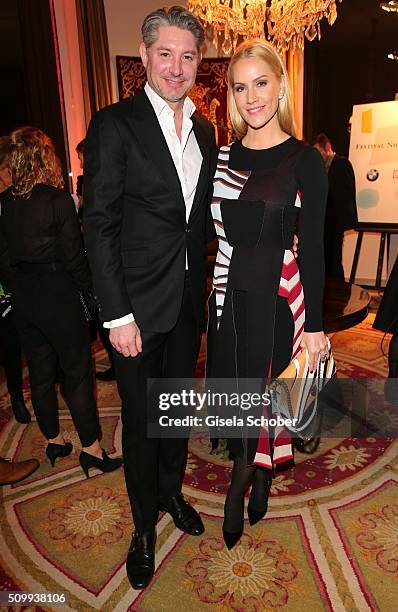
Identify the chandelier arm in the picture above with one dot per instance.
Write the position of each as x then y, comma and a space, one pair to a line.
287, 22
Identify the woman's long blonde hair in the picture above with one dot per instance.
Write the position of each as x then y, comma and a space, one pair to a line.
32, 160
256, 47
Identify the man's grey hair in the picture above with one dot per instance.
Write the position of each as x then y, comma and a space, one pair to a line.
176, 16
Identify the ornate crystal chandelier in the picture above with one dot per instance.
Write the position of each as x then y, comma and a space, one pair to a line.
390, 7
285, 23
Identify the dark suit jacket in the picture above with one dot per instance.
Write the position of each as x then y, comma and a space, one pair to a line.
134, 222
341, 211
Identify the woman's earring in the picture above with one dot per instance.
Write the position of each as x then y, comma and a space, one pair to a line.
280, 96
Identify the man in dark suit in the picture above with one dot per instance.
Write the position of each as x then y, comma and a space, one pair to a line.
149, 162
341, 209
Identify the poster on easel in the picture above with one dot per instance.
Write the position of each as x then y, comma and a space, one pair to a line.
374, 156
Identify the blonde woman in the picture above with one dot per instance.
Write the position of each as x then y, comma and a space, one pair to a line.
48, 267
264, 305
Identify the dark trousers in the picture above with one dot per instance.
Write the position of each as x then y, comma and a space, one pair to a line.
54, 335
154, 468
11, 348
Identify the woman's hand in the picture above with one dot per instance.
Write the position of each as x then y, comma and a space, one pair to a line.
316, 344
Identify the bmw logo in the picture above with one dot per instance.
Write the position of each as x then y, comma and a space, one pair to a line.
372, 175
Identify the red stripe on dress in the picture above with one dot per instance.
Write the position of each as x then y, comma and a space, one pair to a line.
282, 435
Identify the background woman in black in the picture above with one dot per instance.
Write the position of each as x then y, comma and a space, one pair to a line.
47, 269
264, 306
10, 347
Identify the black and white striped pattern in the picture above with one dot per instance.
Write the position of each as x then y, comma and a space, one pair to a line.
227, 185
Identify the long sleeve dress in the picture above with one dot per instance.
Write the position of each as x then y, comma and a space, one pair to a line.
263, 298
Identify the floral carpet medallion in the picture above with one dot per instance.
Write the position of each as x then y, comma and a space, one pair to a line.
329, 540
368, 530
271, 568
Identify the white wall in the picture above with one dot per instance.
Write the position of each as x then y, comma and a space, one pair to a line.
123, 22
368, 258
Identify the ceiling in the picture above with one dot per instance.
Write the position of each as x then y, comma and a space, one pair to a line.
358, 22
361, 22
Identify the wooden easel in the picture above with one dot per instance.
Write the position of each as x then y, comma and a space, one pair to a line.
385, 231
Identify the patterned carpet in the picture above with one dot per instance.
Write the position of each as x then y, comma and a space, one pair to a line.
329, 541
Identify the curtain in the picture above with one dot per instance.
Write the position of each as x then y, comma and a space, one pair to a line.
42, 75
294, 64
94, 54
311, 91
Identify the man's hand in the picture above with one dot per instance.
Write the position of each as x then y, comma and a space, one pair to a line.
316, 345
126, 339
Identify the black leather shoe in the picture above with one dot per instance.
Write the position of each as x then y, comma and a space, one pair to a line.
21, 413
184, 515
107, 375
140, 563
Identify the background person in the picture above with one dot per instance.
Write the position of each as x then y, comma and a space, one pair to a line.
80, 178
43, 251
9, 340
341, 208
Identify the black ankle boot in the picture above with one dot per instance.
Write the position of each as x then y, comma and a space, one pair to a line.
54, 451
232, 537
21, 413
241, 479
106, 464
255, 515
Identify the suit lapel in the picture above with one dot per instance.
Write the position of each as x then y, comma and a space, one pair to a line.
153, 142
203, 181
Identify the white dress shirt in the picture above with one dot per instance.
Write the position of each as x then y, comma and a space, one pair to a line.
186, 156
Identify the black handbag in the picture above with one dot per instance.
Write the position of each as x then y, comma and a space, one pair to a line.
89, 305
